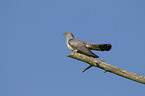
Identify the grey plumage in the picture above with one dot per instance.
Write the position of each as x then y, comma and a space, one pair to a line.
85, 47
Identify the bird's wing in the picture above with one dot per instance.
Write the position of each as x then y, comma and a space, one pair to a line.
86, 51
98, 47
81, 47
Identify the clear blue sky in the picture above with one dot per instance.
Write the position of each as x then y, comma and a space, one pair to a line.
33, 50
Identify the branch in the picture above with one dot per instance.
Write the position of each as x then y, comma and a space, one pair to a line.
107, 67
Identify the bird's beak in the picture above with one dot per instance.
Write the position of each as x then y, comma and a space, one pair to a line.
64, 34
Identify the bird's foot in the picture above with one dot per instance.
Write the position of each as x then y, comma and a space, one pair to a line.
73, 52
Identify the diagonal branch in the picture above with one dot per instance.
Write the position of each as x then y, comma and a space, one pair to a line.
109, 68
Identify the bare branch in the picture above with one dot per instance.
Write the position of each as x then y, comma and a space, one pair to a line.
108, 68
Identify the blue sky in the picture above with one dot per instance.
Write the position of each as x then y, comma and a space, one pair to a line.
33, 50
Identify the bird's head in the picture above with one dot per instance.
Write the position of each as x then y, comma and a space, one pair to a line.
69, 35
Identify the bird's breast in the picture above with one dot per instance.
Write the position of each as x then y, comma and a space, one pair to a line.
70, 47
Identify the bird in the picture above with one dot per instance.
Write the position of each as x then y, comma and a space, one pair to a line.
84, 47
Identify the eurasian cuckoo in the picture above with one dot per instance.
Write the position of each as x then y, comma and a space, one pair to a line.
84, 47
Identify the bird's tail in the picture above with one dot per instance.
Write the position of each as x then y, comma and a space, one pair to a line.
99, 47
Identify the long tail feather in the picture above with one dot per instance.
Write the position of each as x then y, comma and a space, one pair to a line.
99, 47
